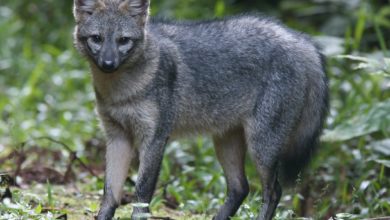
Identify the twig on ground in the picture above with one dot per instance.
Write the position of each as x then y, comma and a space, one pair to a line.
71, 152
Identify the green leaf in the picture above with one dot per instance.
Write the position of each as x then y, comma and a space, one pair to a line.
372, 65
331, 46
382, 147
360, 26
142, 215
93, 207
344, 216
219, 8
374, 120
38, 209
49, 194
385, 163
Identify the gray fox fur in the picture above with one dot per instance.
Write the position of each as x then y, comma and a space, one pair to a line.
255, 86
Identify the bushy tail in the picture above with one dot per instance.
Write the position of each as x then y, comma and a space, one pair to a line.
306, 138
292, 163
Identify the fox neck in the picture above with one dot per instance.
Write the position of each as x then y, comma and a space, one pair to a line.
129, 80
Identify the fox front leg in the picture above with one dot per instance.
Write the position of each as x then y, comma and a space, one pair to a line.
151, 156
119, 154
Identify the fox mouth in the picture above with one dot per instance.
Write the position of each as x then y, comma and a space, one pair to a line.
109, 71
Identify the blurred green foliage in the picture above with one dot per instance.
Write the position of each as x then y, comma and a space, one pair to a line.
45, 91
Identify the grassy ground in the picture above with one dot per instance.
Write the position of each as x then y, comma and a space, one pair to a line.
68, 201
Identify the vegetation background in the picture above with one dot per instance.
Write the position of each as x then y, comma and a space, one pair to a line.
52, 150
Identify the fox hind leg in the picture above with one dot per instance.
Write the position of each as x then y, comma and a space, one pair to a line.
267, 132
230, 149
263, 150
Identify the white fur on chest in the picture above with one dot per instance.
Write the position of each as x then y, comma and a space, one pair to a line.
138, 118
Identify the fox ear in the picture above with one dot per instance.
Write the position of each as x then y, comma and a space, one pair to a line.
136, 8
84, 8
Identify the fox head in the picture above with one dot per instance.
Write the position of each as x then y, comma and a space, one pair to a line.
109, 32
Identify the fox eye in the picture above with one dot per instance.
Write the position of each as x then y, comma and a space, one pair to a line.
124, 40
96, 39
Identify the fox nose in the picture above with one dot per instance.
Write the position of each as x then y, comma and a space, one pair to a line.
108, 65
